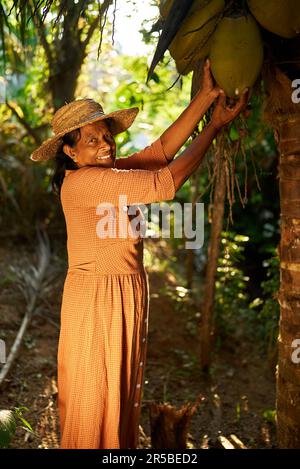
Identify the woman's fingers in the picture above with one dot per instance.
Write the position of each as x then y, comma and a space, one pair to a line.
244, 98
206, 72
222, 100
207, 65
225, 113
242, 102
208, 78
216, 92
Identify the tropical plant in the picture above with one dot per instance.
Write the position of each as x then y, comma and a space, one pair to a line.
10, 420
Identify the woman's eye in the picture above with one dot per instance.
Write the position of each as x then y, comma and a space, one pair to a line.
93, 140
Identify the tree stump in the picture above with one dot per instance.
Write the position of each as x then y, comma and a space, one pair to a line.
169, 426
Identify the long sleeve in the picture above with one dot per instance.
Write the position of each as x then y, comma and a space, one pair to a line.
90, 186
151, 157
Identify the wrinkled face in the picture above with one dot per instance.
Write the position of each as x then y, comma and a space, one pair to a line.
95, 147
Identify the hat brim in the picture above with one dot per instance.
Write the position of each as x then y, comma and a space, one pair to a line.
120, 121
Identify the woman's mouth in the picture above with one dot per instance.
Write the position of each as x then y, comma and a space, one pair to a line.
104, 156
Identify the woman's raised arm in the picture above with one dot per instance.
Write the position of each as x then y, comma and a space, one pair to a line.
175, 136
188, 161
152, 158
162, 151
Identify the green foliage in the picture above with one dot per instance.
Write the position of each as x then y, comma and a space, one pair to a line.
19, 414
266, 311
7, 427
9, 422
238, 411
231, 299
270, 415
232, 304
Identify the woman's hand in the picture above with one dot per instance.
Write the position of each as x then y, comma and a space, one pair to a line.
207, 87
223, 114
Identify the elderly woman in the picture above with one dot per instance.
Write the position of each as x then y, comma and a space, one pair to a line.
105, 303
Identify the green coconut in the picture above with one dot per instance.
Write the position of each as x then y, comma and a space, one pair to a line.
7, 427
236, 54
281, 17
165, 7
192, 40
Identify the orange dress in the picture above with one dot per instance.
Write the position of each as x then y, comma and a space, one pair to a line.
105, 304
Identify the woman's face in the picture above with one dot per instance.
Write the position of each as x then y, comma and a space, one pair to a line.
96, 146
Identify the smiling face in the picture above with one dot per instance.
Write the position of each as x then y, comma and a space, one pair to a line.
95, 147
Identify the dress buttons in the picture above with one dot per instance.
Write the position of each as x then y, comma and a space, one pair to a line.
136, 404
141, 363
144, 339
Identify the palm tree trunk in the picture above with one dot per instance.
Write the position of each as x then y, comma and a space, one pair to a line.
288, 372
206, 326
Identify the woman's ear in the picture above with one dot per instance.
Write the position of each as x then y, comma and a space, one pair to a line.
68, 150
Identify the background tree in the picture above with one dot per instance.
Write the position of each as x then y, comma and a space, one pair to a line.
64, 30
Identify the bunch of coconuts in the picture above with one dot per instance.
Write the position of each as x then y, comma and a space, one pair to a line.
232, 43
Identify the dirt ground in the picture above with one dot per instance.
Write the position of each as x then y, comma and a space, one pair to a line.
237, 395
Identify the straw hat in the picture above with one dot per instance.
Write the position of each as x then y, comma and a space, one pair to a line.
77, 114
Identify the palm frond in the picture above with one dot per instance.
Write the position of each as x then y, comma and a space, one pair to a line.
178, 12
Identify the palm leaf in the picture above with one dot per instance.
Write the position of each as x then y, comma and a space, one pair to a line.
178, 12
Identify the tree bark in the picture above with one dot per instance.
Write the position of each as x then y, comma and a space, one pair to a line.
66, 54
288, 372
206, 323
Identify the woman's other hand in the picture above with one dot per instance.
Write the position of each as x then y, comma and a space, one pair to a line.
223, 114
208, 86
